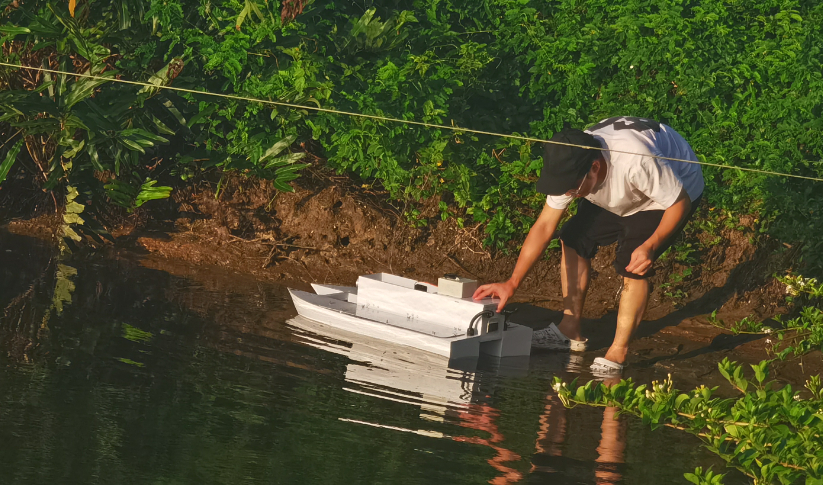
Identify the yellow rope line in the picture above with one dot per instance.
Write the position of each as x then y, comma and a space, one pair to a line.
396, 120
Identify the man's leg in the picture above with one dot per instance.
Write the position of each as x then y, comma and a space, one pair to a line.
638, 228
574, 281
632, 307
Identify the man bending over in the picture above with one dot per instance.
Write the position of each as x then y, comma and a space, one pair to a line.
628, 195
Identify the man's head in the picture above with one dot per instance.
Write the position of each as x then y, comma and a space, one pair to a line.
565, 166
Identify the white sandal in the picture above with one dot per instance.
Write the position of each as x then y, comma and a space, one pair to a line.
551, 338
603, 366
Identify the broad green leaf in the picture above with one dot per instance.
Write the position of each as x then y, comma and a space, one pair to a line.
174, 112
142, 137
76, 146
149, 192
41, 45
94, 156
8, 161
162, 77
285, 160
71, 194
69, 233
202, 116
84, 88
12, 30
34, 127
162, 126
72, 219
74, 208
243, 14
278, 147
131, 144
282, 186
256, 10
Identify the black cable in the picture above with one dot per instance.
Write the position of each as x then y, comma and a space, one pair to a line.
471, 332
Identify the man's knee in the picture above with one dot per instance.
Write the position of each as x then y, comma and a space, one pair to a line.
643, 284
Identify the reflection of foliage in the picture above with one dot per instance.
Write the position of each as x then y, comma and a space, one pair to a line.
63, 286
135, 334
131, 362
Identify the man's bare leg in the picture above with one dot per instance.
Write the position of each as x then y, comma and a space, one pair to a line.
574, 282
632, 307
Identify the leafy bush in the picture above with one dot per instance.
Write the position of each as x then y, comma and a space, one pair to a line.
769, 433
117, 139
741, 81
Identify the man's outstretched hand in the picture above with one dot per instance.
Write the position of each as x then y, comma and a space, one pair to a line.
504, 291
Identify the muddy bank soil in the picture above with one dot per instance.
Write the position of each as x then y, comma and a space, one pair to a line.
331, 230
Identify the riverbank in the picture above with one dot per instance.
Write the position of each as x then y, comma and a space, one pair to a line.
331, 230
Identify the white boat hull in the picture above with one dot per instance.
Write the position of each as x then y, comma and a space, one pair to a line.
332, 312
335, 306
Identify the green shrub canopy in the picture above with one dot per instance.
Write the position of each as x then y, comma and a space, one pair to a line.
740, 80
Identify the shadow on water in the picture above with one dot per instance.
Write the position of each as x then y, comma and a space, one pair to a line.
113, 372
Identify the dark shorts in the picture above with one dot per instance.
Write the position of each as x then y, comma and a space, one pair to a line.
594, 226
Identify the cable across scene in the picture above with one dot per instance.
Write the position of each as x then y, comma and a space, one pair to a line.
397, 120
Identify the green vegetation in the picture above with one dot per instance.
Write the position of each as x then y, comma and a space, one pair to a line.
114, 141
770, 433
742, 82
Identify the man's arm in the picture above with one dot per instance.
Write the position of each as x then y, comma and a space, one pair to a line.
539, 236
673, 217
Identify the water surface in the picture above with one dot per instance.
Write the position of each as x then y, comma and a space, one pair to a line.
130, 370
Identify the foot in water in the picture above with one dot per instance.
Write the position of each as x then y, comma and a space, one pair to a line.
551, 338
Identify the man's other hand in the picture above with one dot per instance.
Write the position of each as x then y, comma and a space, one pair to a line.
641, 260
504, 291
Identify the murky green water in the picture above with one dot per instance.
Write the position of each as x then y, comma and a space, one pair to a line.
122, 371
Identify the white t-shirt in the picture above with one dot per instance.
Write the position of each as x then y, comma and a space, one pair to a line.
635, 183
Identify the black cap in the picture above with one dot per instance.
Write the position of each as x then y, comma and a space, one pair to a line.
564, 166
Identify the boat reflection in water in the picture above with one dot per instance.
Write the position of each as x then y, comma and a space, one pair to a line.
446, 392
455, 393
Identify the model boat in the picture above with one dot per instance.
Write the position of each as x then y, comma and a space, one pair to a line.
442, 319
